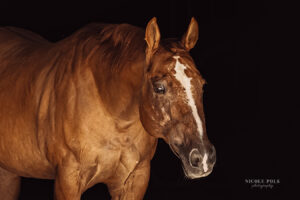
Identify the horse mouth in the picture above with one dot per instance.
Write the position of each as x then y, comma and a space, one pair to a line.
191, 175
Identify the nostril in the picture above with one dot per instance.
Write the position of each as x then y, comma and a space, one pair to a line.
212, 155
212, 159
195, 158
195, 162
211, 150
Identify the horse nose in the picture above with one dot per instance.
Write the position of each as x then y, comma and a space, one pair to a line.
205, 161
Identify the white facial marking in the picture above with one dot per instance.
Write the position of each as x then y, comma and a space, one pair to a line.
186, 83
166, 117
204, 162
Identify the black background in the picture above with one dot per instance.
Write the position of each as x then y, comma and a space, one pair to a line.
232, 53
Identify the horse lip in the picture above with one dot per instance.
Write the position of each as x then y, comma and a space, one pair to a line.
196, 176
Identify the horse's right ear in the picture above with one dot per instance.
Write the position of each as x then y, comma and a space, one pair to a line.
190, 38
152, 37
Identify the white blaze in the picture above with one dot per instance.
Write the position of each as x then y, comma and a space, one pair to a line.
204, 163
186, 84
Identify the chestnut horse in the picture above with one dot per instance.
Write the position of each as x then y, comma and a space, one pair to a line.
90, 108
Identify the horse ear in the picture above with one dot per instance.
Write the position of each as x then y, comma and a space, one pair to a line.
190, 38
152, 36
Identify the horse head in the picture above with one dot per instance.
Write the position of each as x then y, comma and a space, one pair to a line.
171, 105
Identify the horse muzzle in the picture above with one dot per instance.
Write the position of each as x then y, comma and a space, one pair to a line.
196, 163
198, 157
200, 164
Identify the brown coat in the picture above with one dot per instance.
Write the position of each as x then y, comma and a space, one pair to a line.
79, 110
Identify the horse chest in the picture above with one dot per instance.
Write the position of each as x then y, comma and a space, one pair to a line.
114, 155
134, 151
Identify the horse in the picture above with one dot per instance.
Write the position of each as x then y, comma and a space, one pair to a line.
90, 108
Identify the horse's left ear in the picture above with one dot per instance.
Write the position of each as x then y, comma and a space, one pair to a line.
190, 38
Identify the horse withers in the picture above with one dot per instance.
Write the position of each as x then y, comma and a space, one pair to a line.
91, 107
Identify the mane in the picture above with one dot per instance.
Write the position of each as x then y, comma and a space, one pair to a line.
116, 44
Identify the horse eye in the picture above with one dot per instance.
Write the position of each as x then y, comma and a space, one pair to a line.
159, 88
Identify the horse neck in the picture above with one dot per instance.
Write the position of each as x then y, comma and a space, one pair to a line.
120, 87
116, 56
